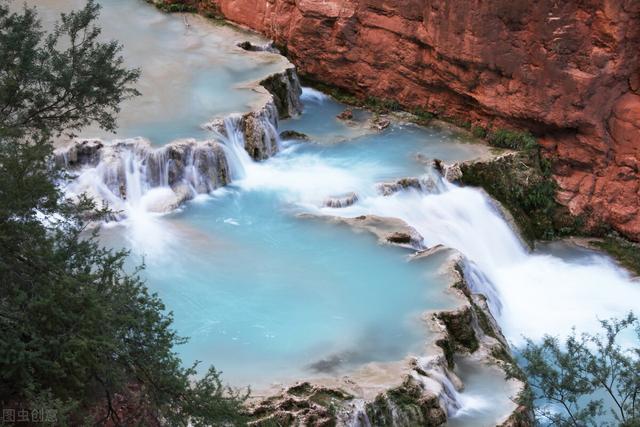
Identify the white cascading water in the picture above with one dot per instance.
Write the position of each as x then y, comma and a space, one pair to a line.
530, 294
310, 94
233, 141
133, 179
516, 282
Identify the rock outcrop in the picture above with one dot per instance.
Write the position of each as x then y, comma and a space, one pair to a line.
285, 89
566, 70
341, 201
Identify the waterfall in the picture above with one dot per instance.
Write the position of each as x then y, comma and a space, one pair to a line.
450, 397
310, 94
358, 416
517, 283
130, 175
127, 174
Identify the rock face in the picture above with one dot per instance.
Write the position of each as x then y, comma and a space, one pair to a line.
341, 201
567, 70
285, 89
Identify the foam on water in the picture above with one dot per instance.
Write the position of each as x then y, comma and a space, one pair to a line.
313, 95
531, 294
486, 395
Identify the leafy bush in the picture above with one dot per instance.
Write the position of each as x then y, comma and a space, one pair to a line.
514, 140
589, 379
626, 252
479, 131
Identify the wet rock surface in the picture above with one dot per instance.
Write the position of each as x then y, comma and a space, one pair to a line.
285, 89
341, 201
187, 167
423, 183
248, 46
294, 135
347, 114
129, 168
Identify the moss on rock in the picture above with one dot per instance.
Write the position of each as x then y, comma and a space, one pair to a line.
627, 253
406, 405
459, 328
522, 182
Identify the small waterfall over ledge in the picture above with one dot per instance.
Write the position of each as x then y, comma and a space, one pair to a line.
128, 174
132, 175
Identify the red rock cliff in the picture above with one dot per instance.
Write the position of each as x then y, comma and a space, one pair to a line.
566, 69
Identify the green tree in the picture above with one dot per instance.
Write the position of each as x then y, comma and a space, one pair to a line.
589, 380
80, 335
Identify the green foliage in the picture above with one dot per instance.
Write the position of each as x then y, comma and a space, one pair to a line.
64, 80
380, 105
505, 138
79, 333
423, 117
626, 252
572, 377
176, 7
479, 131
522, 181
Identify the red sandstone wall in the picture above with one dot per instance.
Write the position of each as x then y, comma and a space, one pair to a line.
566, 69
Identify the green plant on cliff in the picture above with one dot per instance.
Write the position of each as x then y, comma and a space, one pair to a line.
523, 183
209, 10
511, 139
81, 337
589, 380
626, 252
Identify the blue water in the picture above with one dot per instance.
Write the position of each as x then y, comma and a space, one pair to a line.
399, 145
267, 296
264, 294
192, 70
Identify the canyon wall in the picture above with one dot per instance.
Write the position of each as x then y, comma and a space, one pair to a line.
565, 69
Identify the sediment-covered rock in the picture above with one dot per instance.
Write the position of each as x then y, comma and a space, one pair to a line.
302, 404
295, 135
257, 130
260, 133
251, 47
406, 405
388, 230
425, 183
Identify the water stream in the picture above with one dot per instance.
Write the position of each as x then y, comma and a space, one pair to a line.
267, 295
